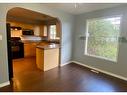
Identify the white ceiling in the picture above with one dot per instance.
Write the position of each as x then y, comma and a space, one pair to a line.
80, 7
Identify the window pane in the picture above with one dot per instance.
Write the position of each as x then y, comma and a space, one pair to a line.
102, 37
52, 31
45, 30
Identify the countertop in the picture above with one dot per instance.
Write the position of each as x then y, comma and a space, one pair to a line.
39, 41
50, 46
31, 41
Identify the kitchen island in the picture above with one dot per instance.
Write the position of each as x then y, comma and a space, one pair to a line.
47, 56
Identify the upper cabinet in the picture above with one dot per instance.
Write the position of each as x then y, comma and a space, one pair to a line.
37, 29
49, 29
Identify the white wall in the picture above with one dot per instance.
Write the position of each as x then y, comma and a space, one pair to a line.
67, 29
119, 68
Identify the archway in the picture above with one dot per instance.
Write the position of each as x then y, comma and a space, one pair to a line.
32, 29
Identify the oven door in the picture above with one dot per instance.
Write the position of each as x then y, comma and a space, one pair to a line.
17, 51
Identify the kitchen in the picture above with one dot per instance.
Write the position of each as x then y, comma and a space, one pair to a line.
34, 36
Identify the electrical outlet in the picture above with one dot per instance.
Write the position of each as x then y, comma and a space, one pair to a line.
0, 37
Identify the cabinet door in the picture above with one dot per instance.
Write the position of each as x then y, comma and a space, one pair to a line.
30, 49
51, 58
40, 58
39, 30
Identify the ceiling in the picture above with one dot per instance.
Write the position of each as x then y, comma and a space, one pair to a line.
28, 16
79, 8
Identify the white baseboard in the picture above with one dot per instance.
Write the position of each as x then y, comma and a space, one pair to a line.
4, 84
66, 63
108, 73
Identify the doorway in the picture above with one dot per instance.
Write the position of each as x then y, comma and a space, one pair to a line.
25, 31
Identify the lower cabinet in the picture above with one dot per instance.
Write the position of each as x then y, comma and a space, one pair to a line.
29, 49
47, 59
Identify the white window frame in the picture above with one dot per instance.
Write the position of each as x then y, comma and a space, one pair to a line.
53, 33
86, 40
45, 30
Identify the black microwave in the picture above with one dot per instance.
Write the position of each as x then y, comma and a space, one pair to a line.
27, 32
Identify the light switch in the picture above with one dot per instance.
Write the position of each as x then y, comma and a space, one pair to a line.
0, 37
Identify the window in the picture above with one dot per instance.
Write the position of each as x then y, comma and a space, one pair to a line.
45, 30
52, 30
102, 37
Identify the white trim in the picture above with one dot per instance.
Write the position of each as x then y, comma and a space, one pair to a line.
87, 35
104, 17
102, 58
108, 73
4, 84
65, 63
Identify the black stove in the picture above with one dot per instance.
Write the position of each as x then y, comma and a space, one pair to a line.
17, 48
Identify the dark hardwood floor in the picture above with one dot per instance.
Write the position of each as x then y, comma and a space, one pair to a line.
69, 78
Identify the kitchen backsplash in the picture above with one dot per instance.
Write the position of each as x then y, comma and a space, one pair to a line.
30, 38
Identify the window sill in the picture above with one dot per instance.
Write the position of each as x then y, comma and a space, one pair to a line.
101, 58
